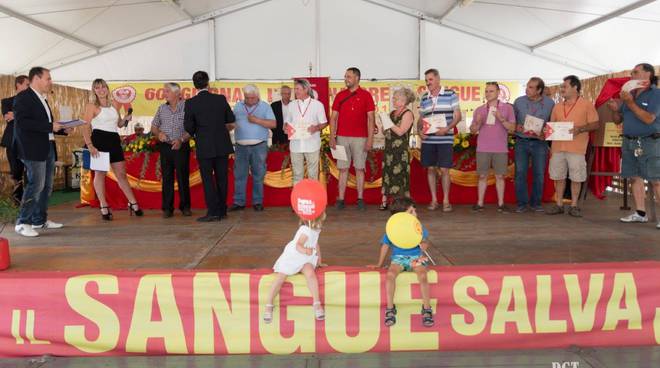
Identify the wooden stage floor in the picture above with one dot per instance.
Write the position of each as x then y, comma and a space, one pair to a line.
249, 239
642, 357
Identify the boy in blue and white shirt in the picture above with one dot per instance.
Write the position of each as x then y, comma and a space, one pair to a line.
405, 260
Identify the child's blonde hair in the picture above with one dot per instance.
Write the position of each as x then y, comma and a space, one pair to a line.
316, 223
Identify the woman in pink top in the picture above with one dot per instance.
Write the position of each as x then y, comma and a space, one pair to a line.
492, 121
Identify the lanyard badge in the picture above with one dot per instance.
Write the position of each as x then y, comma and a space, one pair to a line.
638, 150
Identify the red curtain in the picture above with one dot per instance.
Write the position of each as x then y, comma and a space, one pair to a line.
606, 159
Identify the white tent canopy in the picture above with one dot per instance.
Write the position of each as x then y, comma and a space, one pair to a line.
278, 39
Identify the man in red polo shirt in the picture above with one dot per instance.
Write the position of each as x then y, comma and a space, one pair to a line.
352, 126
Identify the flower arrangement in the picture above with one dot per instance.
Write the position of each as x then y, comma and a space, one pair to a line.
465, 142
147, 143
465, 147
468, 141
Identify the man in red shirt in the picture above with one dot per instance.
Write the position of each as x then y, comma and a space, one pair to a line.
352, 127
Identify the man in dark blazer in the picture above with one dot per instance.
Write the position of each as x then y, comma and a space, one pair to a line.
209, 118
34, 130
279, 109
16, 167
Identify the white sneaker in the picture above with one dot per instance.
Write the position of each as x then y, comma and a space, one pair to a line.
25, 230
634, 217
48, 225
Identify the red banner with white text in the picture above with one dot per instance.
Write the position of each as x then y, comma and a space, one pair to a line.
205, 312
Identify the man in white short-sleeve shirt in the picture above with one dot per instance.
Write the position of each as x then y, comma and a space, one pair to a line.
303, 124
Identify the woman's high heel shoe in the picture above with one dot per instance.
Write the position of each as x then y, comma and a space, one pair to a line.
106, 215
133, 209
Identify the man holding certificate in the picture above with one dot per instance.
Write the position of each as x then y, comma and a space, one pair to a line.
439, 112
640, 151
571, 122
492, 121
34, 137
303, 123
532, 112
352, 128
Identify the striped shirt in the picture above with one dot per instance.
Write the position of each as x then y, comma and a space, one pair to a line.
446, 102
170, 122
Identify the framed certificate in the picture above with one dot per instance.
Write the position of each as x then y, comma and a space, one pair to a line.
633, 84
298, 130
386, 121
72, 123
431, 124
559, 131
339, 153
490, 118
533, 124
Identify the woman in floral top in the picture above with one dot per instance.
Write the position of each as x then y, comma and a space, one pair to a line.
396, 160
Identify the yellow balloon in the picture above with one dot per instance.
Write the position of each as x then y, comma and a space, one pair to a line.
404, 230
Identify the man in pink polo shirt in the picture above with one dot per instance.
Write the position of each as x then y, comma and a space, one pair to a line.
493, 121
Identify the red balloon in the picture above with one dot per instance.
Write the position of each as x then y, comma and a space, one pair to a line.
309, 199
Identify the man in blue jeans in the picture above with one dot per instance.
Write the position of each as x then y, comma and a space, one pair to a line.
254, 119
535, 108
34, 131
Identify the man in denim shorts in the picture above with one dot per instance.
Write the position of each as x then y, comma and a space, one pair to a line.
352, 127
640, 150
438, 146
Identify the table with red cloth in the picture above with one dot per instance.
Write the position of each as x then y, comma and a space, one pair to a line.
144, 177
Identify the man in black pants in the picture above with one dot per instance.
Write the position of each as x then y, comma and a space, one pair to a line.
209, 118
174, 150
16, 167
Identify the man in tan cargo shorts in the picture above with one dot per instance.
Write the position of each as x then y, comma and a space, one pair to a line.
567, 158
352, 127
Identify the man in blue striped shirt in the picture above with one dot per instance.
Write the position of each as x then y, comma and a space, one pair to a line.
437, 147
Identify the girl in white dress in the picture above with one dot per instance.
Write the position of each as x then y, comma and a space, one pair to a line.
301, 255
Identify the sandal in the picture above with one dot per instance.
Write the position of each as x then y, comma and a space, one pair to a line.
105, 213
383, 206
390, 316
427, 317
446, 207
477, 208
319, 313
433, 206
268, 314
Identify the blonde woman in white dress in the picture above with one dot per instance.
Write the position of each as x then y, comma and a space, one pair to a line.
301, 255
101, 135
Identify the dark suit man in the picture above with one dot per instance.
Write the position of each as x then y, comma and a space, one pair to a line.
279, 109
209, 118
34, 131
16, 167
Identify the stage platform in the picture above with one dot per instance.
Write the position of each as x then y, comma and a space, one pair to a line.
645, 357
249, 239
152, 286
